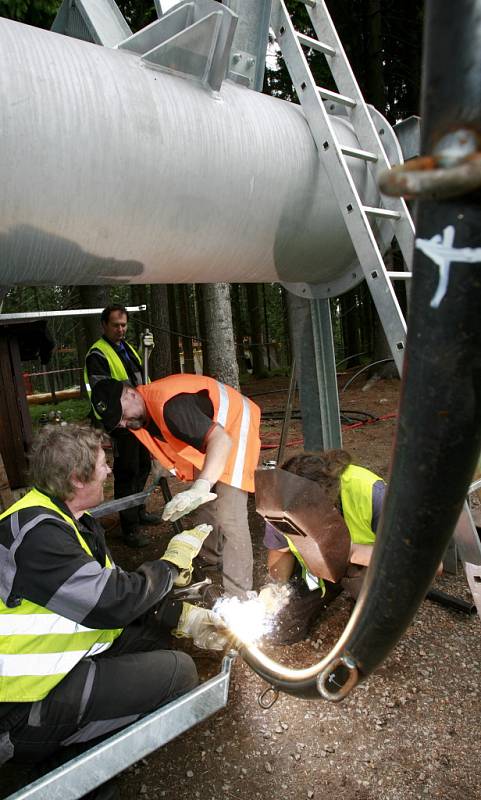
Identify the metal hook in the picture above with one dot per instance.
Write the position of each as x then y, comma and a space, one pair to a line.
260, 699
328, 679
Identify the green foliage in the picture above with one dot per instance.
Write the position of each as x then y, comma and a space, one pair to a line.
40, 13
71, 410
383, 42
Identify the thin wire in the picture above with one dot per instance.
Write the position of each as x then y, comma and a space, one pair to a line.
359, 372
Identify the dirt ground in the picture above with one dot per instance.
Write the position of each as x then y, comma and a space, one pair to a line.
408, 733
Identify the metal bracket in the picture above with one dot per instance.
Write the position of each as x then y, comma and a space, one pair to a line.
242, 68
193, 39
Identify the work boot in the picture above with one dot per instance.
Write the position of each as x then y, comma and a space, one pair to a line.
135, 538
146, 518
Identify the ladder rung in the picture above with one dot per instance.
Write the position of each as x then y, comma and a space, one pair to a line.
400, 276
384, 213
364, 155
326, 94
315, 44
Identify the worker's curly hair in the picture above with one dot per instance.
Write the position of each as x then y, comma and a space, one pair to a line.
60, 453
324, 468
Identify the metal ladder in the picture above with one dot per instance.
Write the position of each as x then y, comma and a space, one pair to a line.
358, 217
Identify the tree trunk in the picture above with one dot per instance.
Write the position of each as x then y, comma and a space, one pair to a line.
238, 326
350, 325
160, 362
186, 326
219, 333
255, 323
375, 92
201, 318
139, 320
89, 297
174, 329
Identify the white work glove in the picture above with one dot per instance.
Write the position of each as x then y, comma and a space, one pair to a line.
182, 548
205, 628
185, 502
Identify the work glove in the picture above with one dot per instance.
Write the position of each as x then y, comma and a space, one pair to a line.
182, 548
185, 502
205, 628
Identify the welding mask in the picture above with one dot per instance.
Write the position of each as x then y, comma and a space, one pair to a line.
300, 509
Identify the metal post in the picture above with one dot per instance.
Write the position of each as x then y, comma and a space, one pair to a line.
250, 39
326, 373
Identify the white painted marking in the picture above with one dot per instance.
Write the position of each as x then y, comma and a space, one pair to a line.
440, 250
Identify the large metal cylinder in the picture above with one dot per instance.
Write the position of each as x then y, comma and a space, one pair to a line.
116, 172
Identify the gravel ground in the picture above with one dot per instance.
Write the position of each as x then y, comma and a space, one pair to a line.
408, 733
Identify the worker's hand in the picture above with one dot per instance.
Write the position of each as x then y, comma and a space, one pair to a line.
205, 628
183, 547
185, 502
274, 596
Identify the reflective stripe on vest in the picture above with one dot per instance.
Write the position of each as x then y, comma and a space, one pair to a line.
356, 498
116, 365
238, 415
38, 647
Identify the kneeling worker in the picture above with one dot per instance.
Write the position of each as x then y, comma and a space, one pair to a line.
84, 646
335, 506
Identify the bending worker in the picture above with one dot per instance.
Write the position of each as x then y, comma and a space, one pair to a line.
112, 356
346, 502
84, 646
209, 433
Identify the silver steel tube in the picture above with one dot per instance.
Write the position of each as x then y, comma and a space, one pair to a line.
115, 172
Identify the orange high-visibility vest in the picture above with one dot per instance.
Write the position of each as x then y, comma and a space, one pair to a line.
238, 415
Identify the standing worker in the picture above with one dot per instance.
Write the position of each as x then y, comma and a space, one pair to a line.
112, 357
209, 433
84, 645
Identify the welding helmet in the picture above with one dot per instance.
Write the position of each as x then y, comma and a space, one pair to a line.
301, 510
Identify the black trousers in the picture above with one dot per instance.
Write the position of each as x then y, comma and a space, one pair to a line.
131, 470
104, 693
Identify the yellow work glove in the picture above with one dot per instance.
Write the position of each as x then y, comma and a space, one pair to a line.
185, 502
205, 628
183, 547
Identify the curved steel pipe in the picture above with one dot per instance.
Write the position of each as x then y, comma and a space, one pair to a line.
438, 438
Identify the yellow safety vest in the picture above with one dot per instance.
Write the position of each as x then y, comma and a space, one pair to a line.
356, 499
39, 647
116, 365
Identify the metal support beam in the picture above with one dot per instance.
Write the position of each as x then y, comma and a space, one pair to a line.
326, 373
248, 54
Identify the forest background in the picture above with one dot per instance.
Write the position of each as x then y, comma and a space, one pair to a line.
225, 329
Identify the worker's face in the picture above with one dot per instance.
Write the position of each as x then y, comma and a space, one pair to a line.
93, 491
116, 328
134, 413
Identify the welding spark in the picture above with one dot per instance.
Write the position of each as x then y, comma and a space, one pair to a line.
252, 619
